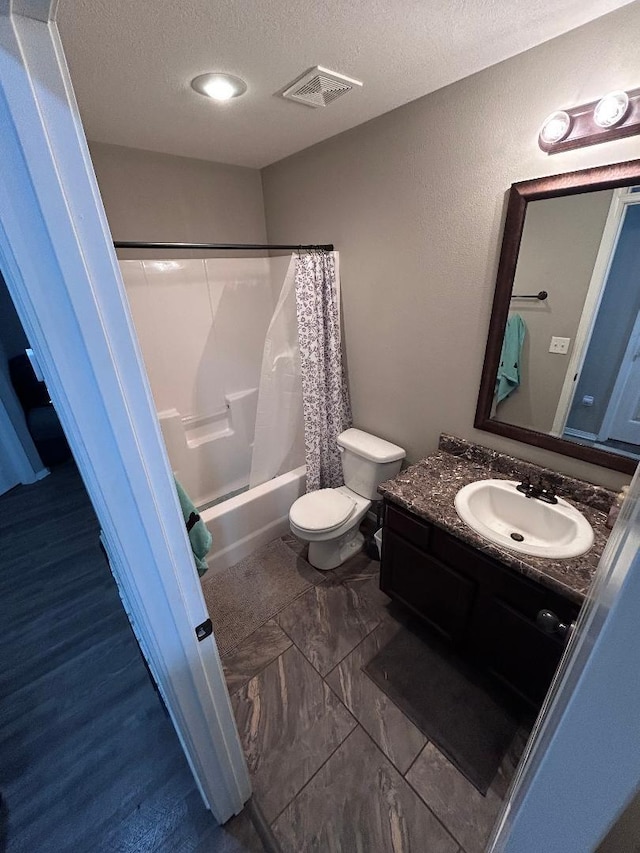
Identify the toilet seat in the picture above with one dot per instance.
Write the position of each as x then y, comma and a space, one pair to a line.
324, 510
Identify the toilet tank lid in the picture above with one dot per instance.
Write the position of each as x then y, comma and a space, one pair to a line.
370, 446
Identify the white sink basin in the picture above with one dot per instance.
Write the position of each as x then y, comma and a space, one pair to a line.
496, 510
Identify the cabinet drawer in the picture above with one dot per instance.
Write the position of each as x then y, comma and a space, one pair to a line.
434, 591
451, 550
525, 596
413, 529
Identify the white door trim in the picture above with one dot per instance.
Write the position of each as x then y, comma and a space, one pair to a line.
626, 365
57, 255
606, 251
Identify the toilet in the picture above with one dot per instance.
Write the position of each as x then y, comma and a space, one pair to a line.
328, 519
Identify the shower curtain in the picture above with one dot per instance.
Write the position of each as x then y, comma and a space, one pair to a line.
303, 402
326, 405
278, 444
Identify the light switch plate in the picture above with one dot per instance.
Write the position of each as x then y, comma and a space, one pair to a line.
560, 345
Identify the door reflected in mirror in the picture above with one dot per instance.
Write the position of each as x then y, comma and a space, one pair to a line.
569, 366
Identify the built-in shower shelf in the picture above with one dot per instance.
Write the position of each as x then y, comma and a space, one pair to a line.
194, 421
192, 443
201, 428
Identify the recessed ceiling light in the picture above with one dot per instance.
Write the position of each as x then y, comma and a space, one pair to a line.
220, 87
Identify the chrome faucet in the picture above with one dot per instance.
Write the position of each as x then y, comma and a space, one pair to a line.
542, 491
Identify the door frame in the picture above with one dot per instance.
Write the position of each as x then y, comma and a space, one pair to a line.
626, 365
621, 199
57, 254
595, 291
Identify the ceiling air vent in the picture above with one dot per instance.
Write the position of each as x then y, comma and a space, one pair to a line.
318, 87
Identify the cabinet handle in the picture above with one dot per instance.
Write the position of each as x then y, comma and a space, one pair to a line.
548, 622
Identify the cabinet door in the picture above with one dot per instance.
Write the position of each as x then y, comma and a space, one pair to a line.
436, 592
513, 648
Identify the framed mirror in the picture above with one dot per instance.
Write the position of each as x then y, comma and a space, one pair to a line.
562, 364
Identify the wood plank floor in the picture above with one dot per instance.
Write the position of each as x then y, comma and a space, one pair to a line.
89, 760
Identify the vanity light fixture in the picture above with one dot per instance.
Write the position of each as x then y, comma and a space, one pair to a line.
218, 86
611, 109
615, 115
555, 127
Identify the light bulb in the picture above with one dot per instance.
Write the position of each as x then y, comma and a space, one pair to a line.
611, 109
555, 127
220, 87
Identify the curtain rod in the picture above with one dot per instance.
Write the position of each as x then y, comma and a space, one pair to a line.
123, 244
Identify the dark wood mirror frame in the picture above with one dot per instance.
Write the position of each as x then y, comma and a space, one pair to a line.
571, 183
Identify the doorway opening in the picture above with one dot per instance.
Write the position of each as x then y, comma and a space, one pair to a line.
601, 403
90, 758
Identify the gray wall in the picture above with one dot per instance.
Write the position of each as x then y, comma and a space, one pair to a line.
164, 198
559, 246
415, 201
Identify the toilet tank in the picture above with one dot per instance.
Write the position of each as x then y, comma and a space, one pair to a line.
368, 461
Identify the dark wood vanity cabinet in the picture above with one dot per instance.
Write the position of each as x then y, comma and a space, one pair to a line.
485, 609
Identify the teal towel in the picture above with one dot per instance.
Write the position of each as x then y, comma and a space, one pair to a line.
199, 536
508, 377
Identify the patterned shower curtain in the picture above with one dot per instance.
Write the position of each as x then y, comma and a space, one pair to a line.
326, 405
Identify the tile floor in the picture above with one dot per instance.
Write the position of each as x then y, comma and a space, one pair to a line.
336, 766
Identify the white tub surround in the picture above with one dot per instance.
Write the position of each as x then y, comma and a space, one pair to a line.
201, 326
243, 523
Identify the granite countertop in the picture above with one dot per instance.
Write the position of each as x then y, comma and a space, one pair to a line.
428, 488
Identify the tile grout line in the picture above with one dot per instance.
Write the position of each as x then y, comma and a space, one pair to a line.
275, 615
421, 798
426, 805
357, 646
358, 725
342, 582
420, 751
363, 727
315, 773
262, 668
395, 705
346, 655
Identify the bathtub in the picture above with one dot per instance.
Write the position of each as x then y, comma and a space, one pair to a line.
242, 524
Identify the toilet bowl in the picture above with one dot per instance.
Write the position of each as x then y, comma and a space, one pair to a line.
329, 519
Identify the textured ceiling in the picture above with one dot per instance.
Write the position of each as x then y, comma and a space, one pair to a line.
132, 62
